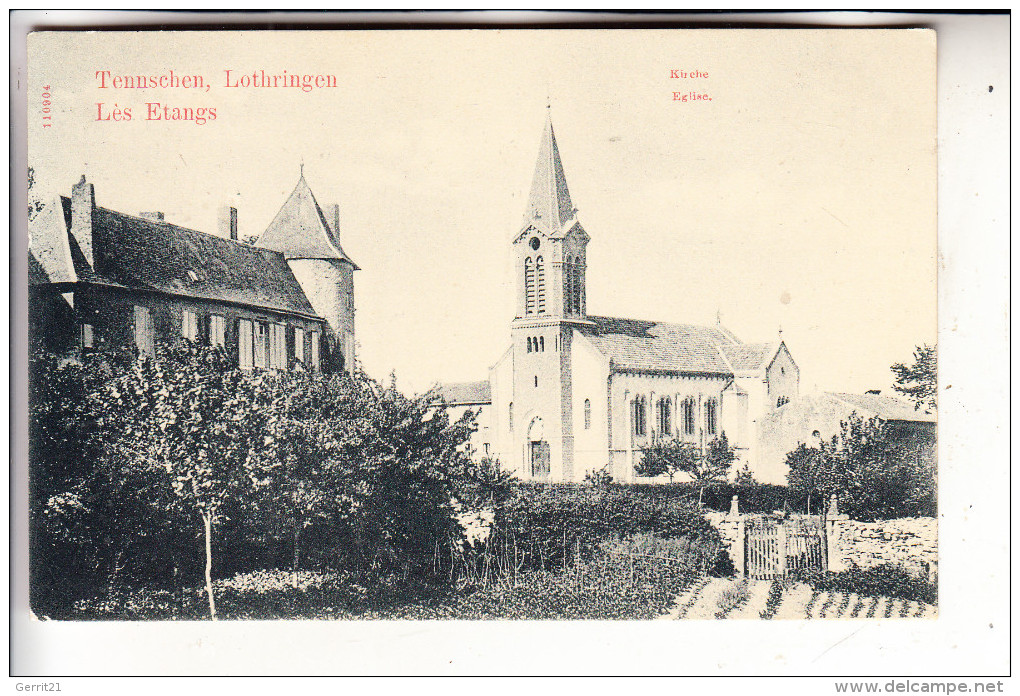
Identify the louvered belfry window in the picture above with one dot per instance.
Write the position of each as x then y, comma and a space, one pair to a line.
529, 286
540, 282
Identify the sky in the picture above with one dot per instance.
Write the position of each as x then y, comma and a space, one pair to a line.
801, 196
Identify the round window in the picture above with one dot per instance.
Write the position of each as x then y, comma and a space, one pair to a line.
535, 243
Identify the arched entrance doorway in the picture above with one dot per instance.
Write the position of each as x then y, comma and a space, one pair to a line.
538, 450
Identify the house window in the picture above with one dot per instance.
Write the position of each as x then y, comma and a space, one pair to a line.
536, 380
638, 416
144, 339
510, 415
587, 414
711, 417
278, 346
687, 415
299, 344
86, 336
782, 401
189, 325
245, 344
313, 344
664, 422
217, 331
261, 337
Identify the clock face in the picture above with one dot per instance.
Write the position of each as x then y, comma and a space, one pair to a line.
535, 243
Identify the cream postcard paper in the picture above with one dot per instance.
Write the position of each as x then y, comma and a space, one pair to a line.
625, 251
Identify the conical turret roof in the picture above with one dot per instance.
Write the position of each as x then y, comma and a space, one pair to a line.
549, 205
300, 230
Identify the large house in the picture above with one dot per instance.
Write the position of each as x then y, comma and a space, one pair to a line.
575, 392
101, 279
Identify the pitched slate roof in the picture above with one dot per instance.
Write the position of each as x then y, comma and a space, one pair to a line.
465, 393
749, 357
888, 408
632, 344
549, 205
136, 252
300, 230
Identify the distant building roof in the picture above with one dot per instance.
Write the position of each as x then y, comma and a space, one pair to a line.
300, 230
750, 357
466, 393
140, 253
887, 408
632, 344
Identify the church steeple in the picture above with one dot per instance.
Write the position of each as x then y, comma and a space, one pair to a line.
549, 205
550, 246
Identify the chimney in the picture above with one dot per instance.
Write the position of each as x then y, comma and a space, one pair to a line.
153, 215
83, 205
334, 219
228, 222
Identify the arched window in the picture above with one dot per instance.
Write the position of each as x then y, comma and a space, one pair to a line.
664, 421
587, 414
541, 344
529, 286
687, 415
529, 344
568, 292
540, 275
510, 415
638, 416
782, 401
711, 417
577, 286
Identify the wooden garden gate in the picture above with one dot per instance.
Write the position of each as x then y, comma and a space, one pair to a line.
773, 548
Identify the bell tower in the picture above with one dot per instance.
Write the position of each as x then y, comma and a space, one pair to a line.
549, 258
549, 249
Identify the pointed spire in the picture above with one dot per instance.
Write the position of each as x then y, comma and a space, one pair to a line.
300, 230
549, 204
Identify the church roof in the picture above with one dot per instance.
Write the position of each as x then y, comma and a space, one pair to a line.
300, 230
632, 344
888, 408
465, 393
549, 205
749, 357
139, 253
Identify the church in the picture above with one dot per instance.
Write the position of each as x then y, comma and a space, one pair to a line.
577, 392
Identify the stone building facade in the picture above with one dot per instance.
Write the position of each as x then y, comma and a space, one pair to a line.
105, 280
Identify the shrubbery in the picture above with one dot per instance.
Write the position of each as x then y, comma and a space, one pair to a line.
543, 524
885, 580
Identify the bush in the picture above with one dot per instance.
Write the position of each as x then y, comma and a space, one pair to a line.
885, 580
754, 498
544, 524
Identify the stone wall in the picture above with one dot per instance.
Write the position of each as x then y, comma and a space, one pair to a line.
910, 542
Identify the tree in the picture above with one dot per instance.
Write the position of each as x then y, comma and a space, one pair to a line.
189, 423
669, 457
919, 380
874, 471
672, 457
714, 464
